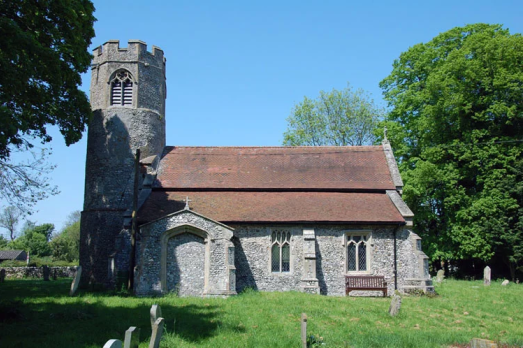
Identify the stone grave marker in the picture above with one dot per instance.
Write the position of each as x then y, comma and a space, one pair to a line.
482, 343
46, 272
156, 335
304, 330
132, 337
505, 282
113, 344
440, 276
156, 312
486, 276
2, 275
76, 281
395, 304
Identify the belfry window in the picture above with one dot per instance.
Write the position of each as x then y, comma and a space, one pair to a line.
280, 251
358, 252
122, 89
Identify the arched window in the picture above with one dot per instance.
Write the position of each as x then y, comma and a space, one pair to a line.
122, 89
281, 251
357, 252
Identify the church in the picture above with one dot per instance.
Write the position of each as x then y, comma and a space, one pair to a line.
213, 221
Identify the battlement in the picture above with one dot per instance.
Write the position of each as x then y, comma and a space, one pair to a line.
135, 51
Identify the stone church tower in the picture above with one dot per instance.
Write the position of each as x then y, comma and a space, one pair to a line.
128, 94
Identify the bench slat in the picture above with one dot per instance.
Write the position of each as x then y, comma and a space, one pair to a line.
376, 283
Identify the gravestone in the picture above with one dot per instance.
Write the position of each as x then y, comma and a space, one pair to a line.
76, 281
156, 335
113, 344
440, 276
486, 276
505, 282
304, 330
132, 337
46, 272
395, 304
2, 275
482, 343
156, 312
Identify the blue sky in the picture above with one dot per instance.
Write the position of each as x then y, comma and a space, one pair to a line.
235, 69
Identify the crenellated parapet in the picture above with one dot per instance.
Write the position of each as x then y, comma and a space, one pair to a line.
136, 51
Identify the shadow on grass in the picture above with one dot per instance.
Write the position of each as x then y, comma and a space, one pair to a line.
54, 319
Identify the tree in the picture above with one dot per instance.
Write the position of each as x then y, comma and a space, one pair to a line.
9, 218
43, 50
34, 239
337, 118
25, 183
66, 245
457, 121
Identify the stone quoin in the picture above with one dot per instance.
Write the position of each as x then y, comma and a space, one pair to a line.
213, 221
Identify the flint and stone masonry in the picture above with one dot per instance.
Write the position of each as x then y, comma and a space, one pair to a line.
186, 252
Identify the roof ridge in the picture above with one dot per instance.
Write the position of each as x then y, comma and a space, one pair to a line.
275, 146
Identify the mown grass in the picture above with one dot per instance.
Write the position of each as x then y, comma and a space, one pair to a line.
36, 313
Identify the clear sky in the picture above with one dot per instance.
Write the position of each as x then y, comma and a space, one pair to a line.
235, 69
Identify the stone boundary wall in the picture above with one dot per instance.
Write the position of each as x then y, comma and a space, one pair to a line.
38, 272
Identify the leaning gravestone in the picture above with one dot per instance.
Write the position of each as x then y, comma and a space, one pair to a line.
395, 304
132, 337
156, 312
440, 275
505, 282
2, 275
156, 335
46, 272
486, 276
76, 281
113, 344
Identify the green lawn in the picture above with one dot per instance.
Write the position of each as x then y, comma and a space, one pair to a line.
34, 313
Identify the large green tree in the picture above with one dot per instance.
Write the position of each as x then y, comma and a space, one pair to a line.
66, 245
456, 123
338, 118
43, 50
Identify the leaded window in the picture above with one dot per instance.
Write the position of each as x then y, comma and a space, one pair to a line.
281, 251
122, 89
358, 252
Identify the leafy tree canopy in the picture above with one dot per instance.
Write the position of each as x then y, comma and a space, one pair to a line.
43, 50
456, 124
35, 239
336, 118
66, 245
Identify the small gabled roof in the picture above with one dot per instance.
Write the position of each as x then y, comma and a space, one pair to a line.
275, 168
11, 254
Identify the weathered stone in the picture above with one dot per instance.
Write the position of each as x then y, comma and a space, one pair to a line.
113, 344
440, 276
505, 282
156, 335
486, 276
132, 337
395, 304
38, 272
2, 275
155, 312
46, 273
304, 330
482, 343
76, 281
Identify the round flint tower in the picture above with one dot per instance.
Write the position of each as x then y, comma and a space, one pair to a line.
128, 101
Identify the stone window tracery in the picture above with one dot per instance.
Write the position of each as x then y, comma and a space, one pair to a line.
280, 251
122, 89
358, 255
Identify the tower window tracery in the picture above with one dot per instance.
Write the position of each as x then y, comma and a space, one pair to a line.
122, 89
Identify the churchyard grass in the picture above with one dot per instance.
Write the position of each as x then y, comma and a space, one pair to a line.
34, 313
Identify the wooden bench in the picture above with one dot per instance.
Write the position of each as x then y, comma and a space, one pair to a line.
374, 283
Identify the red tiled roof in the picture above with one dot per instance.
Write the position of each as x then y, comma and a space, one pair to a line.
226, 207
300, 168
